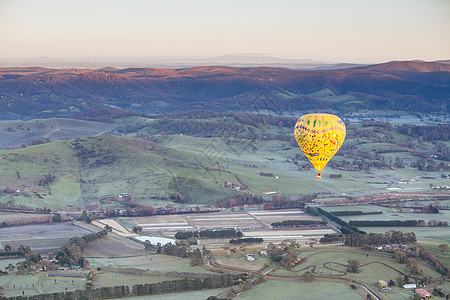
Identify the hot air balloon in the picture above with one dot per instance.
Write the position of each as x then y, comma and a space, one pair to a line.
319, 136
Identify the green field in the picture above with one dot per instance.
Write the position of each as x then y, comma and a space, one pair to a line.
298, 290
155, 262
17, 285
203, 294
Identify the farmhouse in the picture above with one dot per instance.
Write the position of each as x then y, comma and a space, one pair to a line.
423, 293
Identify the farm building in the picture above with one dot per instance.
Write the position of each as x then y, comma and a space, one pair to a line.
409, 286
250, 257
423, 293
382, 284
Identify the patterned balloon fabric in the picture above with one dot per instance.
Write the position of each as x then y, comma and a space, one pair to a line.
319, 136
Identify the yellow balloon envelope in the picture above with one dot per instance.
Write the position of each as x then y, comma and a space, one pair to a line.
319, 136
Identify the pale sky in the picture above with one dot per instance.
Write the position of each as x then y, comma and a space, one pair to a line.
360, 31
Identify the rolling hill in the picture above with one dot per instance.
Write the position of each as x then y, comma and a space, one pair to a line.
412, 86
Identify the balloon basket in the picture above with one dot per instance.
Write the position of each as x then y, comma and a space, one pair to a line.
319, 175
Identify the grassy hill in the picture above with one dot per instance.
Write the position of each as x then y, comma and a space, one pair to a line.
195, 153
87, 170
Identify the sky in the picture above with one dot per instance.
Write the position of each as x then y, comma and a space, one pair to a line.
358, 31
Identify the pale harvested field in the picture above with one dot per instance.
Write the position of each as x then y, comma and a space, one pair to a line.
114, 246
117, 228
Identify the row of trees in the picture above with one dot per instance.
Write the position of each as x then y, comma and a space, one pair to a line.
72, 253
283, 202
344, 213
390, 223
241, 199
247, 240
297, 223
377, 239
208, 234
332, 239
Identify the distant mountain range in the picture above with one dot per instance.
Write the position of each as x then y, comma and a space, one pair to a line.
232, 60
413, 86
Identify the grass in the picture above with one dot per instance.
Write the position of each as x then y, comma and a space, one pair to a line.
298, 290
14, 285
156, 262
105, 279
203, 294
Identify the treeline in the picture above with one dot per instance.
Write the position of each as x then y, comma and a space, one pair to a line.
247, 240
427, 133
345, 227
106, 114
332, 239
354, 213
208, 234
283, 202
241, 199
72, 253
172, 286
377, 239
435, 261
391, 223
297, 223
312, 211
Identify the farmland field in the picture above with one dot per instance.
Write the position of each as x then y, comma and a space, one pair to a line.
203, 294
33, 284
40, 238
114, 246
105, 279
429, 234
152, 262
255, 223
298, 290
256, 219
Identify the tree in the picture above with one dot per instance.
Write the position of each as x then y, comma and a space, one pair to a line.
148, 245
444, 248
400, 280
391, 282
308, 276
414, 265
400, 256
56, 218
353, 266
10, 268
196, 258
137, 229
85, 217
7, 248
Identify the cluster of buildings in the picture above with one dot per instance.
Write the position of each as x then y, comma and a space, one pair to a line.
383, 285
